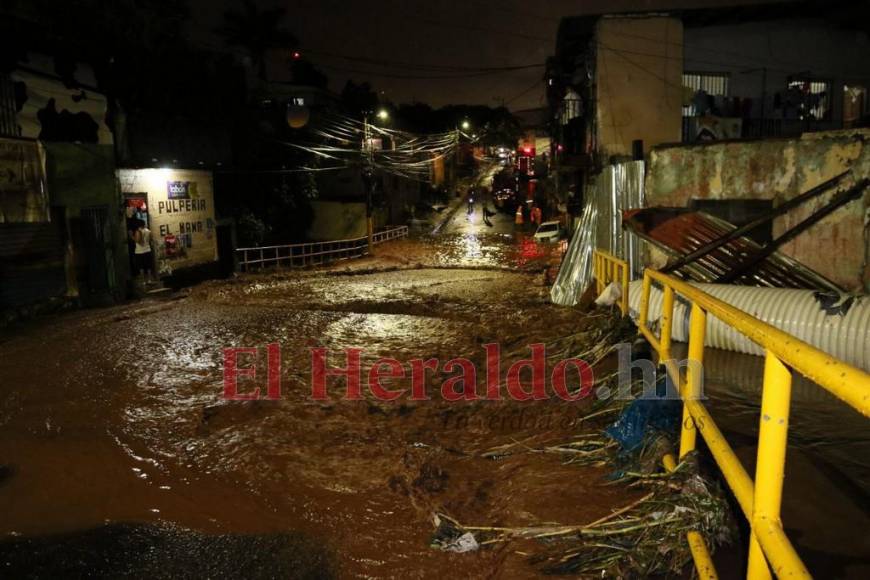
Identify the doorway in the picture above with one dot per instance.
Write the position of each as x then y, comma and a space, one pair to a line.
97, 265
136, 212
854, 105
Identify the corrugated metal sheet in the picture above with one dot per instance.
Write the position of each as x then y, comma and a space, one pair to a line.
617, 188
679, 232
31, 263
620, 188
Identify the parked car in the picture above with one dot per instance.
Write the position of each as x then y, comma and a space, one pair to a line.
548, 232
505, 193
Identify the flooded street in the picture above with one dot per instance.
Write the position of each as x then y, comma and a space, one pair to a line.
121, 457
393, 290
115, 417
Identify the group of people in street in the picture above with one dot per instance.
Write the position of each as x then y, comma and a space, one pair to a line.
487, 214
535, 216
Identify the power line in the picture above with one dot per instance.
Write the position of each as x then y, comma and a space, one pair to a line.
422, 66
460, 26
523, 93
524, 13
409, 157
758, 61
391, 75
637, 65
511, 33
622, 52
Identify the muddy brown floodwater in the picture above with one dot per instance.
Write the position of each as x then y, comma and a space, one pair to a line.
116, 416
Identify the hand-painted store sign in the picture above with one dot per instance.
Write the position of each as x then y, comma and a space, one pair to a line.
180, 205
181, 213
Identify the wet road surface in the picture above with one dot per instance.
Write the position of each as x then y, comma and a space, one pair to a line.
119, 457
113, 419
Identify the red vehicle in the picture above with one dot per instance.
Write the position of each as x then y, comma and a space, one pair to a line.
526, 161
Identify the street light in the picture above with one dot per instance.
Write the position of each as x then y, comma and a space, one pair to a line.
383, 114
466, 125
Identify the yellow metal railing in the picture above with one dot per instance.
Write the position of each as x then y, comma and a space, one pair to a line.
769, 548
608, 268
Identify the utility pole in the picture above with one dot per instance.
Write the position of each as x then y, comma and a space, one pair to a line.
368, 176
466, 125
456, 160
368, 173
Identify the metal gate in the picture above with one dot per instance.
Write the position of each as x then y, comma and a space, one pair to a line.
97, 254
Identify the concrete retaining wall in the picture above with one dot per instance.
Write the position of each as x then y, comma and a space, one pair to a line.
837, 247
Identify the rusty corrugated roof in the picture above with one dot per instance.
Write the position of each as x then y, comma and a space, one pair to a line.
678, 232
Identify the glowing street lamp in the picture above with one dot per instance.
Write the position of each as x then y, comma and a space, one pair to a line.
466, 125
383, 114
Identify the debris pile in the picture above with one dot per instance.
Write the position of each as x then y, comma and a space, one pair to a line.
647, 536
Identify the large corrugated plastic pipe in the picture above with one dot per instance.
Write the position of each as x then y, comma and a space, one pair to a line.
845, 336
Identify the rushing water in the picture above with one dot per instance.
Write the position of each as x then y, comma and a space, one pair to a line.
115, 417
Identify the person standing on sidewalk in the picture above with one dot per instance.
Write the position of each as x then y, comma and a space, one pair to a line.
143, 256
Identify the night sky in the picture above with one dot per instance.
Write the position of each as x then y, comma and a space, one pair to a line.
445, 35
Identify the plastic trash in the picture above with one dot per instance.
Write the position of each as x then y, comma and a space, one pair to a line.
610, 296
644, 416
464, 543
449, 537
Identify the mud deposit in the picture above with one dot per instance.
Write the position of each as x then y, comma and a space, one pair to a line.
113, 420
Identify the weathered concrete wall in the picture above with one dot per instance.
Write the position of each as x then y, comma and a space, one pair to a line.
836, 247
81, 176
438, 172
638, 70
338, 220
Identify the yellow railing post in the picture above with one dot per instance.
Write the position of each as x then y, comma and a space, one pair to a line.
612, 277
625, 277
694, 377
599, 273
770, 549
703, 561
667, 324
606, 269
770, 464
644, 300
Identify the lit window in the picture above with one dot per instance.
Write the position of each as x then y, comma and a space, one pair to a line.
8, 115
713, 84
812, 98
571, 107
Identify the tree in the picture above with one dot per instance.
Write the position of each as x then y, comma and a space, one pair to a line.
501, 129
359, 99
256, 31
305, 73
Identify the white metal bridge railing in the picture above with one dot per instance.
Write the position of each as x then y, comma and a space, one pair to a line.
313, 253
